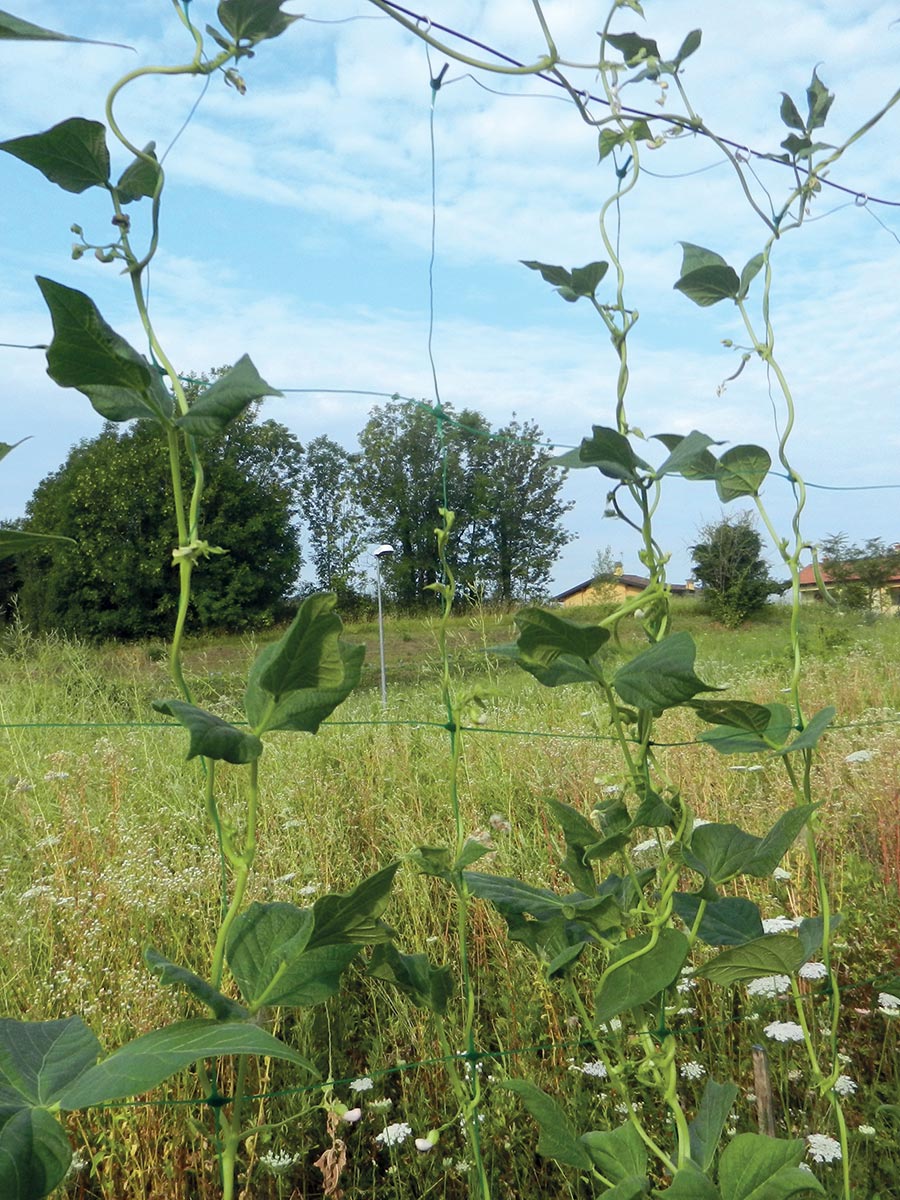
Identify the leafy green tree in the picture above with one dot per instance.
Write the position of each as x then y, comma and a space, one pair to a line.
728, 562
112, 496
859, 574
335, 526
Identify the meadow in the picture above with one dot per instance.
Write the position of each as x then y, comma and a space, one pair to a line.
106, 851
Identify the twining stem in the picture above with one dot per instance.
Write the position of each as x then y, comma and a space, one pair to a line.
243, 864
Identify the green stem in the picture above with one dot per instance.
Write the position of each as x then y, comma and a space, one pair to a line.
243, 867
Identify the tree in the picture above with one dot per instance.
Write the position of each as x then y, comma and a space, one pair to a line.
113, 497
604, 571
502, 487
859, 574
728, 562
517, 521
335, 524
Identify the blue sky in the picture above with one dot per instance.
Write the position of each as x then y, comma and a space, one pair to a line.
296, 227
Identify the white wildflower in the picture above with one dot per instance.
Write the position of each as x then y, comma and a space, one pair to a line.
381, 1105
866, 1130
279, 1162
822, 1148
768, 985
363, 1084
844, 1085
308, 889
692, 1070
813, 970
784, 1031
887, 1003
755, 767
52, 776
860, 756
394, 1135
780, 924
780, 875
596, 1068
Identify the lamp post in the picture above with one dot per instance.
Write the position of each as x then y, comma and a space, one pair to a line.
382, 552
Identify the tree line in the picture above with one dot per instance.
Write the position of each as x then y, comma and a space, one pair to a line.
268, 500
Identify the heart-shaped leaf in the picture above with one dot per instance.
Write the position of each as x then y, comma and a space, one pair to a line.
651, 967
141, 177
211, 737
689, 455
730, 921
741, 471
772, 954
428, 986
754, 1167
706, 278
254, 20
661, 677
73, 154
557, 1140
38, 1059
35, 1154
214, 410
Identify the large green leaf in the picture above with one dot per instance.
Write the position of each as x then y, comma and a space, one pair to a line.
354, 917
270, 957
663, 676
214, 410
557, 1139
563, 670
737, 714
300, 680
88, 355
650, 970
611, 453
618, 1154
513, 897
741, 471
72, 154
754, 1167
556, 651
706, 1128
39, 1058
141, 177
173, 975
730, 921
143, 1064
812, 731
13, 541
254, 20
572, 285
688, 1183
721, 852
34, 1154
580, 835
706, 278
211, 737
431, 987
772, 954
688, 455
738, 738
15, 29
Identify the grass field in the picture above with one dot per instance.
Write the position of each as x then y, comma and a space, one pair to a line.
106, 850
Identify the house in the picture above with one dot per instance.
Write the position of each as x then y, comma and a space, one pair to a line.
614, 590
886, 599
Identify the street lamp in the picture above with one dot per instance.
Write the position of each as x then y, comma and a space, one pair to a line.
382, 552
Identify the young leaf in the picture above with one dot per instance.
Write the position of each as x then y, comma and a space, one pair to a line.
633, 48
254, 20
731, 921
211, 737
789, 114
749, 273
772, 954
88, 355
688, 455
619, 1154
571, 285
812, 731
611, 452
819, 101
564, 669
706, 1128
706, 278
214, 410
39, 1058
737, 714
580, 834
169, 973
661, 677
543, 636
557, 1140
741, 471
141, 1065
353, 918
35, 1154
269, 955
689, 46
649, 971
754, 1167
72, 154
298, 681
140, 178
738, 738
431, 987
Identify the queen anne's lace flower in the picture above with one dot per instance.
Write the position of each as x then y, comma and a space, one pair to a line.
813, 970
823, 1149
692, 1070
364, 1084
889, 1004
595, 1068
859, 756
780, 924
394, 1135
784, 1031
768, 985
845, 1086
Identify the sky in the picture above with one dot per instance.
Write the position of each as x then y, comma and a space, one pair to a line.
297, 228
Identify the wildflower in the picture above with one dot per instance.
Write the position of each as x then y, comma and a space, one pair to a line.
780, 924
363, 1084
499, 823
52, 776
780, 875
79, 1163
308, 889
595, 1068
813, 970
692, 1070
755, 767
784, 1031
822, 1148
844, 1085
351, 1116
866, 1130
381, 1105
888, 1004
768, 985
860, 756
279, 1162
394, 1135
